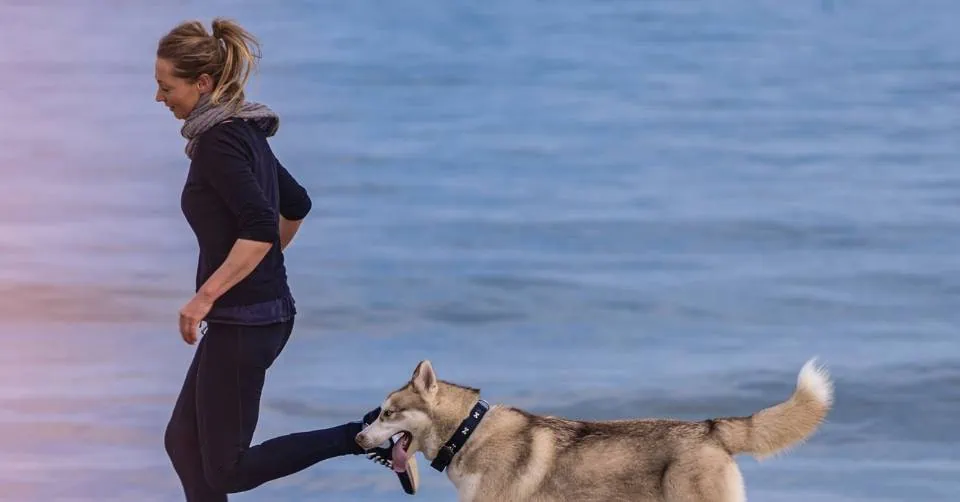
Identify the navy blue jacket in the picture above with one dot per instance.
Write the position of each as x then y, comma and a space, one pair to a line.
236, 189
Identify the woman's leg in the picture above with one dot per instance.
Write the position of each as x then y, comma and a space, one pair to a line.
230, 377
182, 441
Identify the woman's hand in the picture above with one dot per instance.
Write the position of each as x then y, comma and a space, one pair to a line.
243, 258
190, 316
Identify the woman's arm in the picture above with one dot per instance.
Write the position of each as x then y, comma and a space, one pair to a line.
288, 229
226, 167
295, 203
243, 258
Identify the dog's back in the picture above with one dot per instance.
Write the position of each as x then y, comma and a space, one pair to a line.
517, 455
607, 460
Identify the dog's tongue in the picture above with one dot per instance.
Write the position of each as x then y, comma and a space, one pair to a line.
399, 458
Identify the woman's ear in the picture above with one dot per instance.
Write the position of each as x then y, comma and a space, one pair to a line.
205, 84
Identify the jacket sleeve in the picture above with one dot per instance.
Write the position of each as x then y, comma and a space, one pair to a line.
295, 202
223, 163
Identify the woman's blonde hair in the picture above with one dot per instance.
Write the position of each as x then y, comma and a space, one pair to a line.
229, 54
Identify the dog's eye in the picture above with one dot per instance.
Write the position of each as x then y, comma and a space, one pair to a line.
389, 413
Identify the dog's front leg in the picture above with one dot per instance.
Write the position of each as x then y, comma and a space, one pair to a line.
485, 492
469, 488
481, 497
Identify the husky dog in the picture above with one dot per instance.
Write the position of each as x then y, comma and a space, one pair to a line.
501, 453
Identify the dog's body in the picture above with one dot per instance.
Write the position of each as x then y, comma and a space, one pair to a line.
517, 456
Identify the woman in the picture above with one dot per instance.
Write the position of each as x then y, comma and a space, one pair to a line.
244, 208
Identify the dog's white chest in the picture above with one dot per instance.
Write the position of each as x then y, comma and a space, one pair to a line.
466, 484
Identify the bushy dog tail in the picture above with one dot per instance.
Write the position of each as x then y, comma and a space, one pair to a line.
778, 427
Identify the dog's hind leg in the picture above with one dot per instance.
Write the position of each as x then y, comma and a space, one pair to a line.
733, 489
708, 476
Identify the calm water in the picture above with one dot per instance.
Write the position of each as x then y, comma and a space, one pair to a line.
598, 209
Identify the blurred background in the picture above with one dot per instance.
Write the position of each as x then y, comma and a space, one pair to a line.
596, 209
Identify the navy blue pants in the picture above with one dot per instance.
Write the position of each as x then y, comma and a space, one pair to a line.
209, 433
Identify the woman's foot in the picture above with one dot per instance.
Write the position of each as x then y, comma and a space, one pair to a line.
384, 455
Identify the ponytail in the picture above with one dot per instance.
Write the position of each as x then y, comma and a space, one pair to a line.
241, 52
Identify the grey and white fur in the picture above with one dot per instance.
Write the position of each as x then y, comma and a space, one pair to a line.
514, 455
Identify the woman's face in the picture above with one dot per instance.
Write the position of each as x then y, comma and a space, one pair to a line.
180, 95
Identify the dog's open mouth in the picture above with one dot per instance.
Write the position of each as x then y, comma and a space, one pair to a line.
400, 453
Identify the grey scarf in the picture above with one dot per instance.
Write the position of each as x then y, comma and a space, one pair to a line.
206, 115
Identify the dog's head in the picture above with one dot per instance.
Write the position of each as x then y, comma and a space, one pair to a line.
422, 411
406, 411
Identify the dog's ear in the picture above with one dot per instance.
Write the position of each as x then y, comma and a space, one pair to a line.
424, 379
